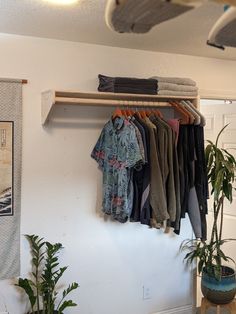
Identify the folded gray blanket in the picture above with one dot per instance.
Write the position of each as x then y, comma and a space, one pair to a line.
166, 92
175, 80
127, 85
176, 87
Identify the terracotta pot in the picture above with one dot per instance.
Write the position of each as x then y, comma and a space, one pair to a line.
220, 291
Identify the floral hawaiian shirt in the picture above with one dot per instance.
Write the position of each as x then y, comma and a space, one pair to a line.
117, 152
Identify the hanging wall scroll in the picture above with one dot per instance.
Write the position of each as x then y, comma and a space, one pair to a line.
10, 176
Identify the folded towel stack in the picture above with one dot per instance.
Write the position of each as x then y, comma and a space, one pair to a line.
176, 86
167, 86
127, 85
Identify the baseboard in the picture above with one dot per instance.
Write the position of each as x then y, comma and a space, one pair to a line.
187, 309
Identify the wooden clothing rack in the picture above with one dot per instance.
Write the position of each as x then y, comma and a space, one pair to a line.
52, 98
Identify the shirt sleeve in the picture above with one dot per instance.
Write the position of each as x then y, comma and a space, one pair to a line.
133, 150
98, 152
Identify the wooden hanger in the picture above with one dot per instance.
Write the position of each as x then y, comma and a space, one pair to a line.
184, 115
117, 113
202, 118
197, 118
143, 114
124, 113
158, 113
130, 112
148, 112
188, 112
138, 114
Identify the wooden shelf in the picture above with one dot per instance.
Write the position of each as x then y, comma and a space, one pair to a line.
51, 98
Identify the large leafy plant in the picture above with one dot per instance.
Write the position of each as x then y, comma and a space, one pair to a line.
221, 167
41, 288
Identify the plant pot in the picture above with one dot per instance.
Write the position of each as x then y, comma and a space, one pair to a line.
220, 291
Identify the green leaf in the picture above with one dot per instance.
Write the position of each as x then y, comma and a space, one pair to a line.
218, 136
218, 184
59, 274
71, 287
212, 144
25, 285
232, 158
66, 304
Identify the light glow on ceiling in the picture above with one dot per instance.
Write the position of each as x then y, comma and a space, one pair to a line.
62, 2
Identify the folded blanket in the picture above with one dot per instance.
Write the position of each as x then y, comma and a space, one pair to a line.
175, 80
147, 86
106, 83
176, 87
166, 92
127, 85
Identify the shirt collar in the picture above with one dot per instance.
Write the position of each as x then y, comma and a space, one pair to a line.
117, 123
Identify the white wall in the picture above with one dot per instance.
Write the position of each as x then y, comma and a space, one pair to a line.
61, 186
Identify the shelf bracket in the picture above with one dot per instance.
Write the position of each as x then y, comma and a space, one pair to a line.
48, 101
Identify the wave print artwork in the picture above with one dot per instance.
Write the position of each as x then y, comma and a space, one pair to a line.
6, 168
5, 202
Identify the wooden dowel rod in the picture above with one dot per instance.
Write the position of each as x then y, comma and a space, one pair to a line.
108, 102
24, 81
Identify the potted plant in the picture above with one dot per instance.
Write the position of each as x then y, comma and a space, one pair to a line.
41, 288
218, 283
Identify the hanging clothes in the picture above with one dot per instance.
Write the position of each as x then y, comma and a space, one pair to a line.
117, 152
144, 178
201, 182
154, 170
174, 124
169, 169
141, 180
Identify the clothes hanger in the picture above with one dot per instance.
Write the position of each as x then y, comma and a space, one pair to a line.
124, 113
143, 114
197, 118
189, 113
158, 112
203, 119
191, 117
184, 116
153, 111
131, 112
117, 113
126, 110
148, 112
136, 111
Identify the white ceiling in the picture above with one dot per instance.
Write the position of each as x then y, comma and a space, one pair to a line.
84, 22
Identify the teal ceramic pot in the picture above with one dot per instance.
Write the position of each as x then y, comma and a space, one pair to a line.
219, 291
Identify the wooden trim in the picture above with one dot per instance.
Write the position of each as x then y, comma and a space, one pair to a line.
217, 94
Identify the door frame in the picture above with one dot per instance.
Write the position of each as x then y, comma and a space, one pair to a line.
208, 95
